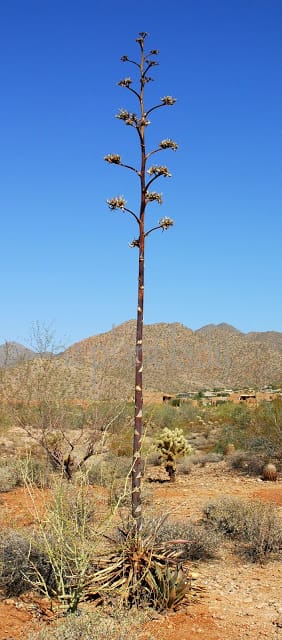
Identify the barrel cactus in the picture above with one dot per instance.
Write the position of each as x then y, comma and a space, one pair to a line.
270, 472
172, 444
229, 449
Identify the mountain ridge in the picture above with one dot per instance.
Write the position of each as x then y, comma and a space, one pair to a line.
176, 358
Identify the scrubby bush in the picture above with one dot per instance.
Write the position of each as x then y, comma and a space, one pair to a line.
36, 471
154, 459
256, 525
56, 557
185, 466
113, 625
105, 470
206, 458
10, 476
247, 462
15, 471
20, 562
202, 542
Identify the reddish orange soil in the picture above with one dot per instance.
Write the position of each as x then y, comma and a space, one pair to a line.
235, 600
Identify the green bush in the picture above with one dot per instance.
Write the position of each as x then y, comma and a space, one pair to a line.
256, 525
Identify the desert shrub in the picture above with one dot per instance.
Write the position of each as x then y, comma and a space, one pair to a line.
188, 412
6, 418
14, 472
65, 538
185, 466
113, 625
247, 462
10, 476
255, 524
36, 471
120, 443
20, 562
104, 471
202, 542
154, 459
205, 458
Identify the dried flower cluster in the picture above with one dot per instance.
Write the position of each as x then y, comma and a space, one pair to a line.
165, 223
153, 195
117, 203
113, 158
126, 82
159, 171
168, 144
168, 100
127, 117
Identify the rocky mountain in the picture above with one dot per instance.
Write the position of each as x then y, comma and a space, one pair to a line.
177, 359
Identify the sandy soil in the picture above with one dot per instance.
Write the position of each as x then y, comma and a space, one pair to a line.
235, 600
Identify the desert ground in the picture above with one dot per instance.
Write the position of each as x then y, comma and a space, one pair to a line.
231, 599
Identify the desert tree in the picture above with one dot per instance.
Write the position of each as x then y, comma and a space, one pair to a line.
49, 397
147, 173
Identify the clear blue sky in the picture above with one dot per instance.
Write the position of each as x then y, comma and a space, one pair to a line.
64, 256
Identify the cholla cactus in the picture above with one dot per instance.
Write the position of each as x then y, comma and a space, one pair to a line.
172, 444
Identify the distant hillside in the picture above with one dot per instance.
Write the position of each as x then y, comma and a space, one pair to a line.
12, 352
178, 359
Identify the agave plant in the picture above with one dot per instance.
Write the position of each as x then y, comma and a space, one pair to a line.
140, 571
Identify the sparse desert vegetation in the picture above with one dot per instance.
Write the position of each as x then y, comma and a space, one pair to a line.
125, 519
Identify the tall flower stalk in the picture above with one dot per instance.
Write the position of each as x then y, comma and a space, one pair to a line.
147, 175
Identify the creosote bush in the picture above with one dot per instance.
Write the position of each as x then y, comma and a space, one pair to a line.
256, 525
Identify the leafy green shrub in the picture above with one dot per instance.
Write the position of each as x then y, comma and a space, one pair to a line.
202, 542
255, 524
